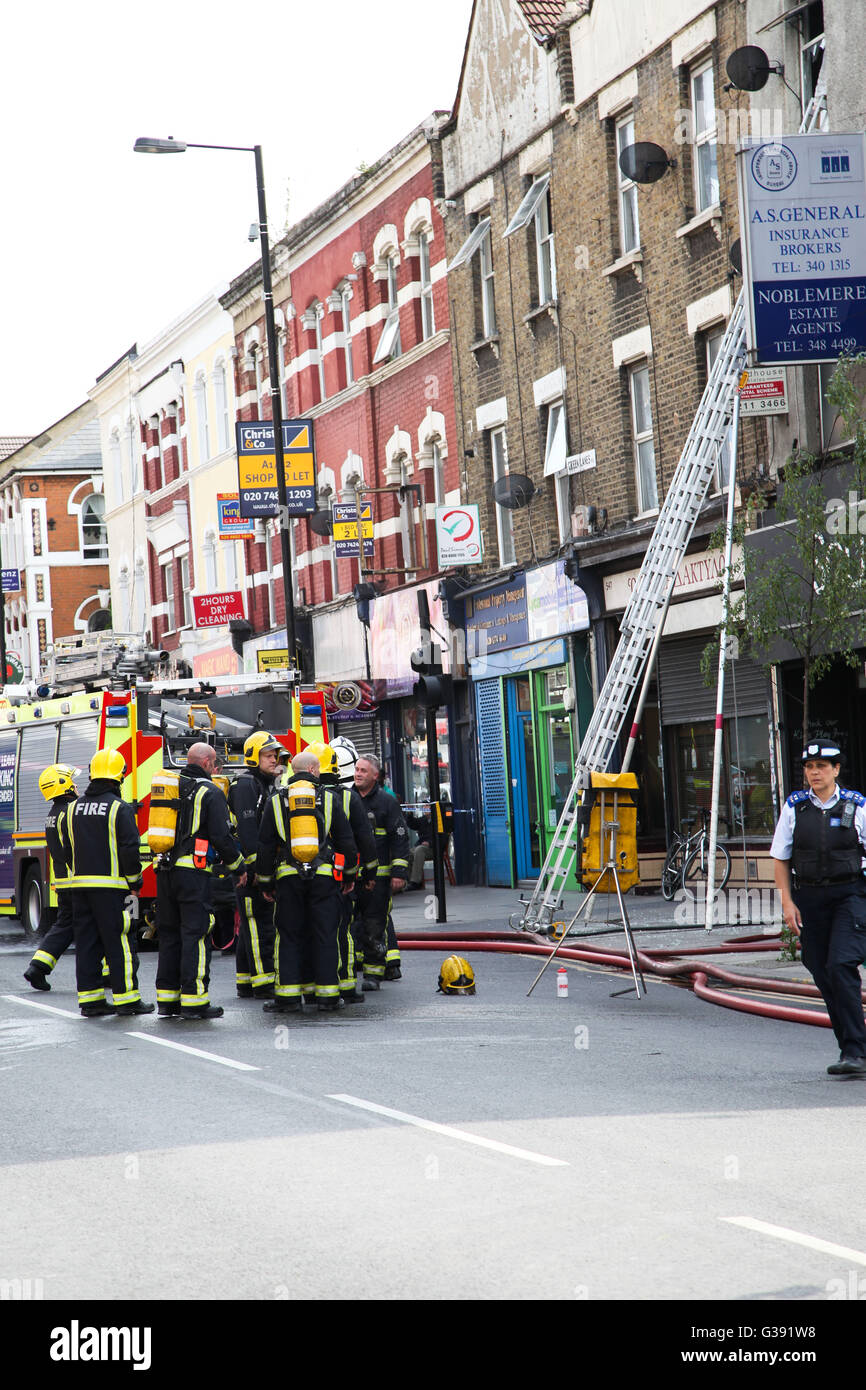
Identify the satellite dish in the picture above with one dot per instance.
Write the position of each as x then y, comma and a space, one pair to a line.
735, 256
645, 162
322, 523
748, 68
514, 491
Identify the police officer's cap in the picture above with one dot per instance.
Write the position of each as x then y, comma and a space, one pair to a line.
822, 748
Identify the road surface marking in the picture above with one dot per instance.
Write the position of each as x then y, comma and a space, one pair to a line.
826, 1247
450, 1132
48, 1008
195, 1052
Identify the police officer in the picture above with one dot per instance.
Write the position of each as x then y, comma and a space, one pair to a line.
183, 889
363, 872
375, 930
102, 849
57, 785
248, 796
821, 837
307, 892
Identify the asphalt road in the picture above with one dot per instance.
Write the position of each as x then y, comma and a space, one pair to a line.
596, 1148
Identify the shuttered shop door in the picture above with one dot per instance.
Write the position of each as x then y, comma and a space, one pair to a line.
685, 699
494, 782
362, 733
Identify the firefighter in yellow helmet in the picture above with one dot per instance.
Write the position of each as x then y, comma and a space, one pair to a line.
248, 796
102, 849
57, 785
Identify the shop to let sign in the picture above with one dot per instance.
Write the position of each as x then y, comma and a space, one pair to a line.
346, 529
803, 233
213, 610
257, 467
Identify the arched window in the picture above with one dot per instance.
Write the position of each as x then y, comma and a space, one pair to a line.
94, 533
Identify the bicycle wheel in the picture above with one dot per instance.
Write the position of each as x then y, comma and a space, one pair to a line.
698, 864
672, 873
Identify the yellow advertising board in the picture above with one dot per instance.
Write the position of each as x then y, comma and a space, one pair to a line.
276, 659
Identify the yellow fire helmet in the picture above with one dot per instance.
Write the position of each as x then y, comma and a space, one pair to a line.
456, 976
108, 763
326, 755
261, 742
57, 780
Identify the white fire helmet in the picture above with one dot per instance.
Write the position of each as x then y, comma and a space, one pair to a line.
347, 756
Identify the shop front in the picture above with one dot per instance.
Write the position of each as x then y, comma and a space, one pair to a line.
527, 664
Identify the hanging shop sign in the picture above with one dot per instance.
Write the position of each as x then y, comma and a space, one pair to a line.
213, 610
257, 467
803, 234
765, 392
232, 526
497, 618
554, 605
458, 536
346, 529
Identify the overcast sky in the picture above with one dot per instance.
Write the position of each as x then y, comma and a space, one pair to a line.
101, 248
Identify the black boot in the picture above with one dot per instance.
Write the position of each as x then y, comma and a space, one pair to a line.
349, 996
330, 1006
245, 991
282, 1006
171, 1010
204, 1011
263, 991
139, 1007
37, 975
393, 971
98, 1010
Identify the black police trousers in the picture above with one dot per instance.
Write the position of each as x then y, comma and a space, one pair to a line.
102, 928
833, 945
184, 923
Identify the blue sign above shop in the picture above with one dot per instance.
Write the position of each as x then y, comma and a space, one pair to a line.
497, 618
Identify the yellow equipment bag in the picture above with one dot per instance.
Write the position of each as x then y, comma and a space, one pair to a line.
611, 797
164, 804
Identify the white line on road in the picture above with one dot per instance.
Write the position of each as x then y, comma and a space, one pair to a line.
195, 1051
450, 1132
826, 1247
47, 1008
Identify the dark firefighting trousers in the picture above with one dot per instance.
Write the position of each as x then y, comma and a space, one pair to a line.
58, 938
371, 926
306, 954
254, 954
832, 946
102, 928
184, 922
346, 944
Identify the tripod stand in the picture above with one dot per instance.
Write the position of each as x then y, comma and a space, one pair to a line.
608, 831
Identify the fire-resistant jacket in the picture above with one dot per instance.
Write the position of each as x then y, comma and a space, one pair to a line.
362, 829
102, 846
274, 860
249, 794
56, 838
392, 834
204, 816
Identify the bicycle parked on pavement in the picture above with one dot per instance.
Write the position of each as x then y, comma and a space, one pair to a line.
688, 859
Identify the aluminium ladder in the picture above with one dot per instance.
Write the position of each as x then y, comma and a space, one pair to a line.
648, 605
645, 612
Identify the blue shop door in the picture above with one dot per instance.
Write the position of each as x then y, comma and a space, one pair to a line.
521, 766
494, 783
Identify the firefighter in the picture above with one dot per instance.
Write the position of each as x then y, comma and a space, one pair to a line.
183, 889
303, 849
102, 849
248, 796
363, 872
375, 930
57, 785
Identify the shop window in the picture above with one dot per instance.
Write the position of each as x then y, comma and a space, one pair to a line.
745, 800
416, 778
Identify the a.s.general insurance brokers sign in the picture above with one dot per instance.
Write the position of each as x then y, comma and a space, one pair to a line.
803, 230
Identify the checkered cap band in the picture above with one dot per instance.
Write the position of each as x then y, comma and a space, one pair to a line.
822, 750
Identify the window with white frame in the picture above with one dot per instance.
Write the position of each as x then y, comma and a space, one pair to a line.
504, 519
389, 343
546, 259
168, 589
642, 436
156, 426
555, 454
174, 412
438, 469
186, 591
94, 533
201, 416
485, 274
713, 340
704, 136
811, 49
222, 405
346, 323
316, 311
629, 231
428, 322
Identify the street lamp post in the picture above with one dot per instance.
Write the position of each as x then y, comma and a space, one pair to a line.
147, 145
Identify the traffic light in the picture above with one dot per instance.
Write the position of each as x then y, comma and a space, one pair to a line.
433, 687
571, 568
363, 595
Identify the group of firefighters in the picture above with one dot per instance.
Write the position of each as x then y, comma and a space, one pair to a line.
315, 857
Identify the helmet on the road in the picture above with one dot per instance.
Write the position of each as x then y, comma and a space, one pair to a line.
326, 755
57, 780
456, 976
108, 763
347, 756
258, 743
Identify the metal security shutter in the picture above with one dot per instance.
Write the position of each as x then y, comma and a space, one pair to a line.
494, 782
685, 698
38, 749
362, 733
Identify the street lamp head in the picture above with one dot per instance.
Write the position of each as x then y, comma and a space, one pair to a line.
148, 144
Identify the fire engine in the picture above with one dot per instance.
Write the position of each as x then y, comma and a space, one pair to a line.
104, 690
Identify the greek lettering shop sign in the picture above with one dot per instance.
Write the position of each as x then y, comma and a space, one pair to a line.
214, 610
803, 233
